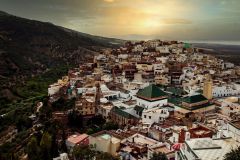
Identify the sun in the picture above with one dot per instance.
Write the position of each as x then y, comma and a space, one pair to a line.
151, 23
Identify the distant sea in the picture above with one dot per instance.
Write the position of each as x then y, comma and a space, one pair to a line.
216, 42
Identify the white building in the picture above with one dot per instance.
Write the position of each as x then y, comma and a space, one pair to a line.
206, 148
154, 115
104, 110
228, 65
163, 49
162, 59
159, 68
53, 89
62, 156
122, 57
234, 130
225, 90
229, 106
106, 92
138, 48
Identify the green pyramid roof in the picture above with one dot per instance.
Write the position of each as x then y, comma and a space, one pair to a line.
195, 98
151, 93
187, 45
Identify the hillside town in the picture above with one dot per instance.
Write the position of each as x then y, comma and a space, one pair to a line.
165, 97
120, 79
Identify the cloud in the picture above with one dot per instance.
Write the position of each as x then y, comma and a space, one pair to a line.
109, 1
176, 21
192, 19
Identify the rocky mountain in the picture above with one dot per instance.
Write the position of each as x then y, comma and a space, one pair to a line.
29, 47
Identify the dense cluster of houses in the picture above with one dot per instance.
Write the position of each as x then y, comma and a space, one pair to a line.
166, 96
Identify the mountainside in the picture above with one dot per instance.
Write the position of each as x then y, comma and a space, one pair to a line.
226, 52
29, 47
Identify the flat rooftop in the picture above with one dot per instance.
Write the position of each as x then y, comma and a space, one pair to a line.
162, 149
107, 136
141, 140
76, 138
236, 124
211, 149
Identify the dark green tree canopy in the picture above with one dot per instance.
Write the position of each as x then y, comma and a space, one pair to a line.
33, 149
159, 156
234, 154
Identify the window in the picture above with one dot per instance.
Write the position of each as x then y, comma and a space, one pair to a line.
145, 116
188, 149
149, 117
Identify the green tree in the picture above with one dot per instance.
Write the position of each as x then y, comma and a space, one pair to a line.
234, 154
96, 120
75, 119
159, 156
110, 126
45, 113
23, 122
83, 152
90, 131
63, 146
62, 104
45, 145
33, 149
6, 151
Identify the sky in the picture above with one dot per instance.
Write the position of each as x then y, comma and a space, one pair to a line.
217, 20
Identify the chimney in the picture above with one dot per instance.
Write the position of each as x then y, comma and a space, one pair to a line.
220, 134
187, 136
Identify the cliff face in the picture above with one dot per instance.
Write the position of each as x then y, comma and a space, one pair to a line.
29, 47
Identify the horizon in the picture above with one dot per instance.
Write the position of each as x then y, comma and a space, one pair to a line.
138, 19
220, 42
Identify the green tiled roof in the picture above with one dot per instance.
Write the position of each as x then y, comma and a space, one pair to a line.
197, 107
122, 113
194, 98
175, 100
187, 45
191, 99
151, 92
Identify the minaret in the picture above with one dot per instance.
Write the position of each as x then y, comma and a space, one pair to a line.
113, 75
98, 95
207, 88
